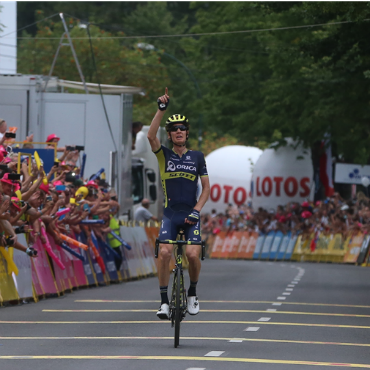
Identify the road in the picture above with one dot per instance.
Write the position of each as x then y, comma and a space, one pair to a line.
255, 315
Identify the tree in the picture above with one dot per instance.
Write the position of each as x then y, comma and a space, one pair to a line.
116, 64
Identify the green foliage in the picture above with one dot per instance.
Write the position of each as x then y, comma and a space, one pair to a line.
258, 87
116, 64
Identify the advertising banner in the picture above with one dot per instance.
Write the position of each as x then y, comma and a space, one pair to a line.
354, 248
23, 281
283, 246
43, 269
88, 269
259, 245
230, 173
8, 291
281, 176
244, 240
251, 245
290, 248
350, 173
275, 245
267, 245
218, 244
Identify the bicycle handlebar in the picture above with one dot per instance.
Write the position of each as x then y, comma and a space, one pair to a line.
180, 242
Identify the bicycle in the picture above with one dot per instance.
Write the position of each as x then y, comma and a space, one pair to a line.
178, 303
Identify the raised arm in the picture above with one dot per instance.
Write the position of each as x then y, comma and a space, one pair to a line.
163, 102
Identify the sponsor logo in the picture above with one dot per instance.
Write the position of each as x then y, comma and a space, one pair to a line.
164, 232
189, 162
183, 167
171, 166
188, 157
162, 105
182, 174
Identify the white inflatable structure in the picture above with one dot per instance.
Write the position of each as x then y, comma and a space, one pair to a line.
230, 173
282, 176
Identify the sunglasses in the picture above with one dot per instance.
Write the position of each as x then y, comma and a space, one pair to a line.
175, 128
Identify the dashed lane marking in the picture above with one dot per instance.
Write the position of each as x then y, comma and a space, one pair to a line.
217, 311
185, 358
186, 322
214, 353
207, 301
251, 328
264, 319
281, 298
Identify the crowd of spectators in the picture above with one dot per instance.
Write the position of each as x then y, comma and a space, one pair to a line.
331, 216
32, 200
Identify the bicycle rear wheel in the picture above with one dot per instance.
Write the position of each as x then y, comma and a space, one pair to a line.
177, 307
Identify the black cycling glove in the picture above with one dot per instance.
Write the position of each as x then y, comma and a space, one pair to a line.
194, 216
163, 106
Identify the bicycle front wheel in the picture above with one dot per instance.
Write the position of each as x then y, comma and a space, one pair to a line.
177, 307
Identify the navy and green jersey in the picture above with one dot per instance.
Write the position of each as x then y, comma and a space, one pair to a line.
180, 175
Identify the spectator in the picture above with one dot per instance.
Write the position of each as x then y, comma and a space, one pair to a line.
3, 127
142, 214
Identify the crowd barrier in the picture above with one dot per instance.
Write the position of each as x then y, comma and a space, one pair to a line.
276, 246
60, 269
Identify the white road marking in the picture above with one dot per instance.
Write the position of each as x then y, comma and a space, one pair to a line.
294, 282
235, 341
289, 289
285, 293
265, 319
291, 286
281, 298
271, 310
252, 328
196, 368
214, 353
277, 304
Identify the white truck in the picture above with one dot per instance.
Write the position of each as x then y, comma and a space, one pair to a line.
80, 119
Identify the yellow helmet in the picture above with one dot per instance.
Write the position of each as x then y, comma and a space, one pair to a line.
82, 191
176, 118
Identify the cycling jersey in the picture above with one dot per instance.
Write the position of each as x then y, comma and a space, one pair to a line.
179, 175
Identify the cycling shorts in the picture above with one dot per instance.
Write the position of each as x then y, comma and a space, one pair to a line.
174, 218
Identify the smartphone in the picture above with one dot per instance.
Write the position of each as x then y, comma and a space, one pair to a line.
86, 207
49, 198
10, 135
80, 148
60, 188
4, 167
14, 176
56, 164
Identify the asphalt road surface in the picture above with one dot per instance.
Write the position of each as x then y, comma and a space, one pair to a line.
254, 315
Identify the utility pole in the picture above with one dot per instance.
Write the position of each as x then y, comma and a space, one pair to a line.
70, 44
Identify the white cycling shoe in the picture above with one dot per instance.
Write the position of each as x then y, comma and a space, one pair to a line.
193, 305
164, 312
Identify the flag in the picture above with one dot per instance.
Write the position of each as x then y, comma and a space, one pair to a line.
326, 168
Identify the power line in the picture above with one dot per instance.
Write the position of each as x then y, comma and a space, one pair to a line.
201, 34
32, 24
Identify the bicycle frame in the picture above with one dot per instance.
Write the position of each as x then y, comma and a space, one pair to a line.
178, 302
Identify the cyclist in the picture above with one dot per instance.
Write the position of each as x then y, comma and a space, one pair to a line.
180, 169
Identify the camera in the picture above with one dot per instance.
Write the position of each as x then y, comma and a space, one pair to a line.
10, 135
14, 176
9, 241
